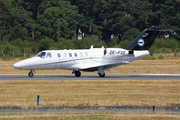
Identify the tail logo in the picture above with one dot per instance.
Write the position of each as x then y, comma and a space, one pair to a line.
140, 42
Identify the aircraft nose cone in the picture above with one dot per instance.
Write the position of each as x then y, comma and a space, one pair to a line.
24, 64
17, 65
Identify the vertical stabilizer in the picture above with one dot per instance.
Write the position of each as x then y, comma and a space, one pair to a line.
144, 40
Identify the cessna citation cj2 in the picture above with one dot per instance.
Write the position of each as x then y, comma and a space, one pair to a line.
93, 59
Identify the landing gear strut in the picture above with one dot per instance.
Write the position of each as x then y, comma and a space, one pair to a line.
31, 74
77, 73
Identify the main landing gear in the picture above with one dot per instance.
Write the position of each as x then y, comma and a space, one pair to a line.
77, 73
31, 74
101, 74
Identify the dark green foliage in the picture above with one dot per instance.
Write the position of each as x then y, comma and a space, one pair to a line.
88, 41
46, 44
160, 57
51, 24
65, 44
112, 43
26, 24
166, 43
7, 49
131, 34
124, 43
18, 33
57, 21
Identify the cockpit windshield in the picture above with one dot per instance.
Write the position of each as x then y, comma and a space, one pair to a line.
41, 54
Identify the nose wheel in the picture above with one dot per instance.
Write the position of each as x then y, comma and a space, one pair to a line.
31, 74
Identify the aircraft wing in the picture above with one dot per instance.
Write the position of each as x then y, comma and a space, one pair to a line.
105, 67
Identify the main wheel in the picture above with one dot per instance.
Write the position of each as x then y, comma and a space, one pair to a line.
77, 73
31, 74
102, 75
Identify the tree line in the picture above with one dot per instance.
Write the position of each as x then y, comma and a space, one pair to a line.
35, 25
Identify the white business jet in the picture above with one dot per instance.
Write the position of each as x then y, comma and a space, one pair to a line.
93, 59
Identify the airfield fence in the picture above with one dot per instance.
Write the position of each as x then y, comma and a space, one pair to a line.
17, 54
165, 52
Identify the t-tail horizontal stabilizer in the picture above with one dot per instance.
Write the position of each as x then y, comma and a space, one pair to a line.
144, 40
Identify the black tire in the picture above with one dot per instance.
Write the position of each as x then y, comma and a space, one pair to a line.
31, 74
101, 75
77, 74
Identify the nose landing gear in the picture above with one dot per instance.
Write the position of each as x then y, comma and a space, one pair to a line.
31, 74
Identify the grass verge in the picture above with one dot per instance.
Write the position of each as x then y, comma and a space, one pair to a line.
141, 66
90, 117
81, 93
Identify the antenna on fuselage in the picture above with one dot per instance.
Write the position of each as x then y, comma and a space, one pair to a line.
91, 47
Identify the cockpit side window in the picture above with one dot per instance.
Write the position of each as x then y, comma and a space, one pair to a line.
48, 55
41, 54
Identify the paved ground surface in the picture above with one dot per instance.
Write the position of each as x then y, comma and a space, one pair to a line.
94, 77
171, 110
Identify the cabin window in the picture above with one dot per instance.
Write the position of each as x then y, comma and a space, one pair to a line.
70, 55
65, 55
59, 55
48, 55
75, 54
86, 54
41, 54
80, 54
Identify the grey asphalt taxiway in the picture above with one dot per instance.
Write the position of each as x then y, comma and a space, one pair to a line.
94, 77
